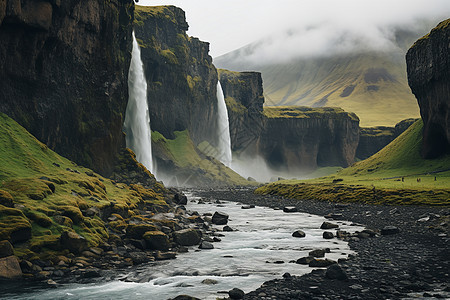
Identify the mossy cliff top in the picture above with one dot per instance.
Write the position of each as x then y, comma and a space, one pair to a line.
441, 26
303, 112
43, 194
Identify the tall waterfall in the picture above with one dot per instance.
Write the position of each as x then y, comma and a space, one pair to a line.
224, 140
137, 118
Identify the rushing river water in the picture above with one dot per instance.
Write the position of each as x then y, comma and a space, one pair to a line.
245, 258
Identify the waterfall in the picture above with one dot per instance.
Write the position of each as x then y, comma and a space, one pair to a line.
224, 140
137, 118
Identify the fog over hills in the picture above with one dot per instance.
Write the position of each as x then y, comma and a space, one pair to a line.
336, 67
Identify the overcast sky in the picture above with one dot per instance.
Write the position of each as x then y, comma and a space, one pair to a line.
300, 24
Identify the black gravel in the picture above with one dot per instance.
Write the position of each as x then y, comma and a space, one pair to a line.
413, 263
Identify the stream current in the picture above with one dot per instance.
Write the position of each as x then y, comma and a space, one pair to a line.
261, 248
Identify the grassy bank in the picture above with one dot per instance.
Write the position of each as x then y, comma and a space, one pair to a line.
395, 175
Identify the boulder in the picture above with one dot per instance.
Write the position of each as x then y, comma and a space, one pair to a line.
328, 225
185, 297
299, 234
321, 263
328, 235
304, 260
206, 245
10, 267
6, 249
336, 272
73, 242
187, 237
388, 230
220, 218
165, 255
180, 199
247, 206
317, 253
289, 209
6, 199
156, 240
236, 293
227, 228
139, 257
136, 231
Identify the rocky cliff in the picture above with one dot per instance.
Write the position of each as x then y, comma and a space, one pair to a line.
181, 77
289, 138
243, 93
373, 139
303, 138
63, 74
428, 67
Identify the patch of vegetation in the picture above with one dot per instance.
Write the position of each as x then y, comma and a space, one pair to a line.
441, 26
235, 106
52, 194
395, 175
303, 112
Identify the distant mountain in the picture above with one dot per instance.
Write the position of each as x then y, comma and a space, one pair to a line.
372, 84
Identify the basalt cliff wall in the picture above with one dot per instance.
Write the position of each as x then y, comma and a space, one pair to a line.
63, 74
428, 68
290, 138
180, 75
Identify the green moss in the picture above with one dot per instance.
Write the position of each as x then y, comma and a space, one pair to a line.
303, 112
169, 56
235, 106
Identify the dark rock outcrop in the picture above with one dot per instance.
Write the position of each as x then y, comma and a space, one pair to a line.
428, 67
63, 74
180, 75
290, 137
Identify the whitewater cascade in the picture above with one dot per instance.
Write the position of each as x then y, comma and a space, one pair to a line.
223, 128
137, 118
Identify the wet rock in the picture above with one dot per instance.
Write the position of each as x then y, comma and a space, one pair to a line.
206, 245
247, 206
236, 293
304, 260
219, 218
370, 232
136, 231
328, 235
185, 297
336, 272
6, 249
156, 240
227, 228
187, 237
165, 255
321, 263
317, 253
299, 234
328, 225
139, 257
209, 281
10, 267
388, 230
73, 242
91, 273
180, 199
290, 209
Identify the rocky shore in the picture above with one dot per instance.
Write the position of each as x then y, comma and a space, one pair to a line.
407, 258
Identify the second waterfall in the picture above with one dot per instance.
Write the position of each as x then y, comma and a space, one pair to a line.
224, 140
137, 118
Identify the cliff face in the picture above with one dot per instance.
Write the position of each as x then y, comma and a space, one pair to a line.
289, 138
180, 75
373, 139
428, 67
63, 74
302, 138
244, 98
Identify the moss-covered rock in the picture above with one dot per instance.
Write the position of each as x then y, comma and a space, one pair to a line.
6, 199
136, 231
156, 240
73, 242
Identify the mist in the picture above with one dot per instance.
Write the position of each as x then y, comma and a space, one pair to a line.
293, 28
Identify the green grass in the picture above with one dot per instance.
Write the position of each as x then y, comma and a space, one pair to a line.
303, 112
395, 175
185, 155
45, 188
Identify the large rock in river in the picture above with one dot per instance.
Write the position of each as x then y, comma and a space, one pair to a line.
10, 268
187, 237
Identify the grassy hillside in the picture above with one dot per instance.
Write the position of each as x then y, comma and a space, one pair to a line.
191, 165
395, 175
43, 194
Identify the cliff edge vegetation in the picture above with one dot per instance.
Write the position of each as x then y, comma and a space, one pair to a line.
395, 175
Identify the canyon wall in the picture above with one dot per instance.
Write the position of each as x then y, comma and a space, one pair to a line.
181, 77
428, 68
63, 74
